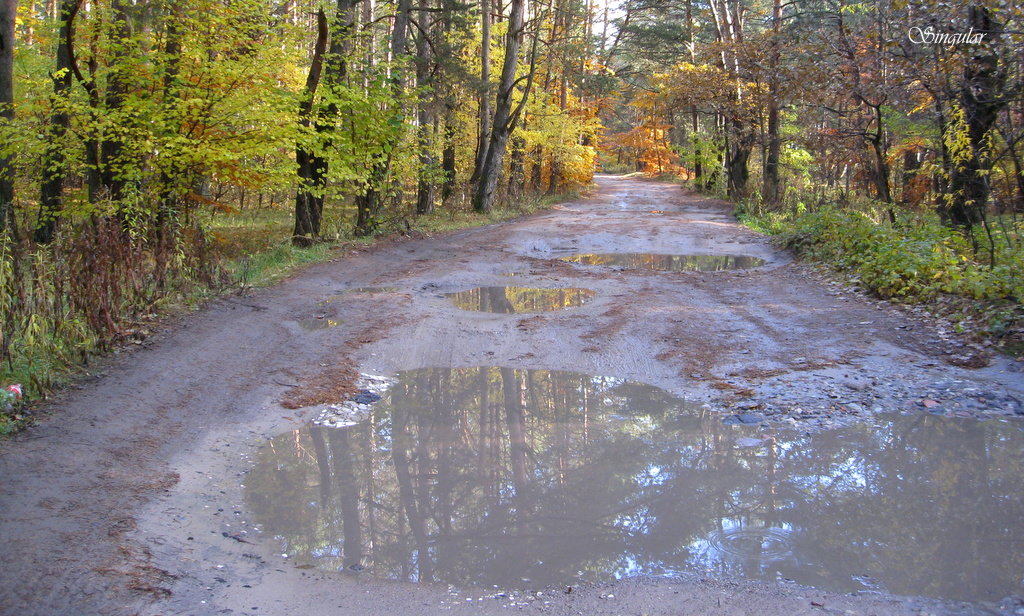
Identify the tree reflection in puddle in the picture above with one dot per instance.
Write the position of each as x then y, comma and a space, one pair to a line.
668, 263
510, 300
527, 478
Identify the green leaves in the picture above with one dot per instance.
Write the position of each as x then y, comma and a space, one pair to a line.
914, 261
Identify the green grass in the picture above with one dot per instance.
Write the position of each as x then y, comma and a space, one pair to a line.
256, 245
273, 264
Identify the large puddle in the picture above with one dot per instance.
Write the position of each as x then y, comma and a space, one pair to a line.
509, 300
668, 263
522, 479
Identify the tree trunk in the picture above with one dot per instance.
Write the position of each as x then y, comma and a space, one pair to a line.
741, 145
8, 13
1018, 174
450, 127
425, 190
448, 161
517, 168
92, 145
112, 183
771, 164
483, 139
982, 96
366, 24
368, 204
698, 164
537, 168
771, 190
168, 207
698, 153
909, 195
308, 204
51, 192
880, 171
505, 117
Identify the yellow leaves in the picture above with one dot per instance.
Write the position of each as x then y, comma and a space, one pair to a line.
703, 85
591, 65
560, 134
957, 137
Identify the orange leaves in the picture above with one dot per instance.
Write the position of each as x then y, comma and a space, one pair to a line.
648, 144
217, 205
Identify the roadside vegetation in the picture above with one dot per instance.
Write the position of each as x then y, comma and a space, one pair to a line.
976, 283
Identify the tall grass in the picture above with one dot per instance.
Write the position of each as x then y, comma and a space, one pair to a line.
87, 290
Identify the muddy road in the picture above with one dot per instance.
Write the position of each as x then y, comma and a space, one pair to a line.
702, 426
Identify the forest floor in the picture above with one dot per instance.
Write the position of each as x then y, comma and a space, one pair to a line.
127, 496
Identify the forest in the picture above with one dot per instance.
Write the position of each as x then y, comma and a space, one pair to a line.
154, 152
553, 307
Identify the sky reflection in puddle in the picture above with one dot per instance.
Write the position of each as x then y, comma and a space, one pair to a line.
528, 478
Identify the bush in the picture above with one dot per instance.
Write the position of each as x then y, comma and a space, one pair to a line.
913, 261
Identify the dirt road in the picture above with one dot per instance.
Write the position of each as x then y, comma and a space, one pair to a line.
128, 497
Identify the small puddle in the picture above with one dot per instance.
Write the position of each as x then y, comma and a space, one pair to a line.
316, 323
529, 478
668, 263
509, 300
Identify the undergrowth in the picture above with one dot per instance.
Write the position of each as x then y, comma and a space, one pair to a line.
915, 260
90, 289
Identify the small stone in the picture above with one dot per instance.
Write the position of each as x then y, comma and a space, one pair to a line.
366, 397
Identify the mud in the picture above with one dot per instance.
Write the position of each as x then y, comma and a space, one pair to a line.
130, 496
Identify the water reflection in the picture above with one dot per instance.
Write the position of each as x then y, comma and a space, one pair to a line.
528, 478
317, 323
669, 263
519, 299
